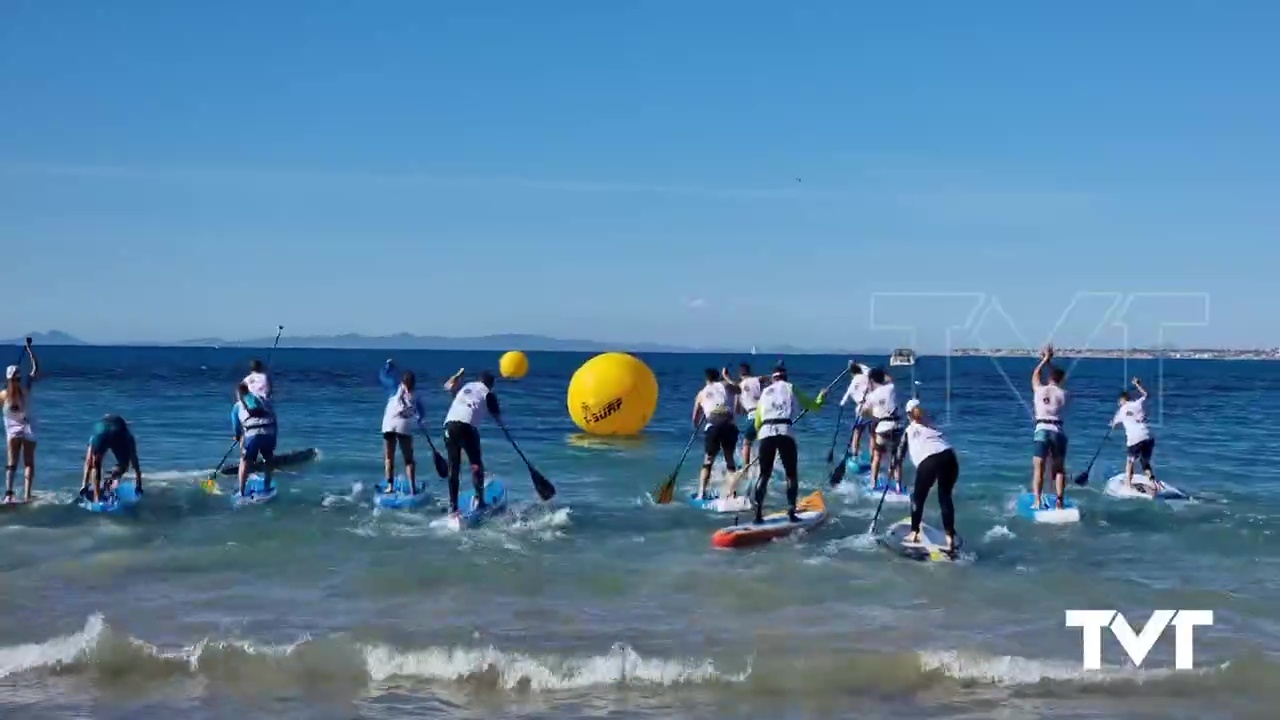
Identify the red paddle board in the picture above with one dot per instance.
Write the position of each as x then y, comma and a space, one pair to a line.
811, 512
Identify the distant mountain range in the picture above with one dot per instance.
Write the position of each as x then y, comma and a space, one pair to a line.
407, 341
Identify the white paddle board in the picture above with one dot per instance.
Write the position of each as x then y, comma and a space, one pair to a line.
929, 548
1141, 489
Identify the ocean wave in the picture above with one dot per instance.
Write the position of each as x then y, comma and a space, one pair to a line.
341, 664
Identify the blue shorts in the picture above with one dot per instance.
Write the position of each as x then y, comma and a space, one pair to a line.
1050, 441
748, 428
260, 445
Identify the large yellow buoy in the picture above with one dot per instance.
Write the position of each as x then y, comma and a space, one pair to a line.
513, 365
613, 394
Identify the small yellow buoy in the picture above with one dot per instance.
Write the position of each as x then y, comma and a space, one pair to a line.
513, 365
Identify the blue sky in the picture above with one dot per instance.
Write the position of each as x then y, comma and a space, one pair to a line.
623, 171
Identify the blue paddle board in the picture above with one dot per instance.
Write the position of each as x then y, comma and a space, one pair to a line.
117, 500
714, 503
1048, 511
254, 492
495, 497
877, 488
400, 498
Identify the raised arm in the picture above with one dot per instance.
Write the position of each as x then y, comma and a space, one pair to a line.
1045, 356
729, 385
387, 377
453, 383
1136, 383
35, 365
812, 405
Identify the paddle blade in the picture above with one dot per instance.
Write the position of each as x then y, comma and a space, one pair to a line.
1083, 478
837, 473
831, 455
442, 467
209, 485
666, 492
542, 485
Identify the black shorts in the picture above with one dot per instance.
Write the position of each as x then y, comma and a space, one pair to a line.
721, 436
888, 441
401, 437
461, 437
1142, 450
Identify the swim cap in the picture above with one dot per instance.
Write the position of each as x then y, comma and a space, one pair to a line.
912, 404
11, 372
780, 370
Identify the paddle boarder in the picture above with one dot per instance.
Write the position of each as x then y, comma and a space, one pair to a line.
257, 380
402, 413
255, 428
713, 410
111, 433
774, 415
749, 387
1049, 443
470, 403
1139, 442
936, 464
19, 435
856, 394
881, 405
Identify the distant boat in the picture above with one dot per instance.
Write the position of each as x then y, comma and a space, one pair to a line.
902, 356
753, 349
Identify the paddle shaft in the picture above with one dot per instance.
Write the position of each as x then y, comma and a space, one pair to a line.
835, 435
687, 446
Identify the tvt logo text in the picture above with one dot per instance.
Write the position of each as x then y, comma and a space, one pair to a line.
1137, 645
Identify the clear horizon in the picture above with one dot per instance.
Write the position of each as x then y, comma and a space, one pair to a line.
705, 175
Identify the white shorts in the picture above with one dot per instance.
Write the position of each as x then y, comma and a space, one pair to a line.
19, 431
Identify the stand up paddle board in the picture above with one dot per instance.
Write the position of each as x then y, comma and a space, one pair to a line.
928, 549
495, 497
400, 497
121, 498
714, 503
13, 503
255, 492
893, 496
297, 457
811, 512
1141, 489
1047, 512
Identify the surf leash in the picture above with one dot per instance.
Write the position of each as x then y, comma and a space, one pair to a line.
541, 484
1083, 478
666, 490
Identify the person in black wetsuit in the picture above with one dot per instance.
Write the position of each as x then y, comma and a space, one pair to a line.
110, 433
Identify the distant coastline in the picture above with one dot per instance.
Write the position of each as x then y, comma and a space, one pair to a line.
542, 343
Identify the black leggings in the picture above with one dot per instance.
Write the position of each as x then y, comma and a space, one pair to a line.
462, 437
941, 468
784, 447
721, 438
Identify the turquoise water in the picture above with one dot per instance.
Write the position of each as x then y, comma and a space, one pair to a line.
600, 604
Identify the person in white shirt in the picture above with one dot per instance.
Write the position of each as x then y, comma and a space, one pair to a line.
1139, 441
1049, 442
773, 419
749, 387
471, 402
936, 464
258, 382
400, 416
713, 409
856, 394
881, 405
19, 434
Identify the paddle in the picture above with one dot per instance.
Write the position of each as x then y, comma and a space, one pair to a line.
667, 489
210, 484
804, 412
1083, 478
442, 467
541, 484
837, 472
835, 435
